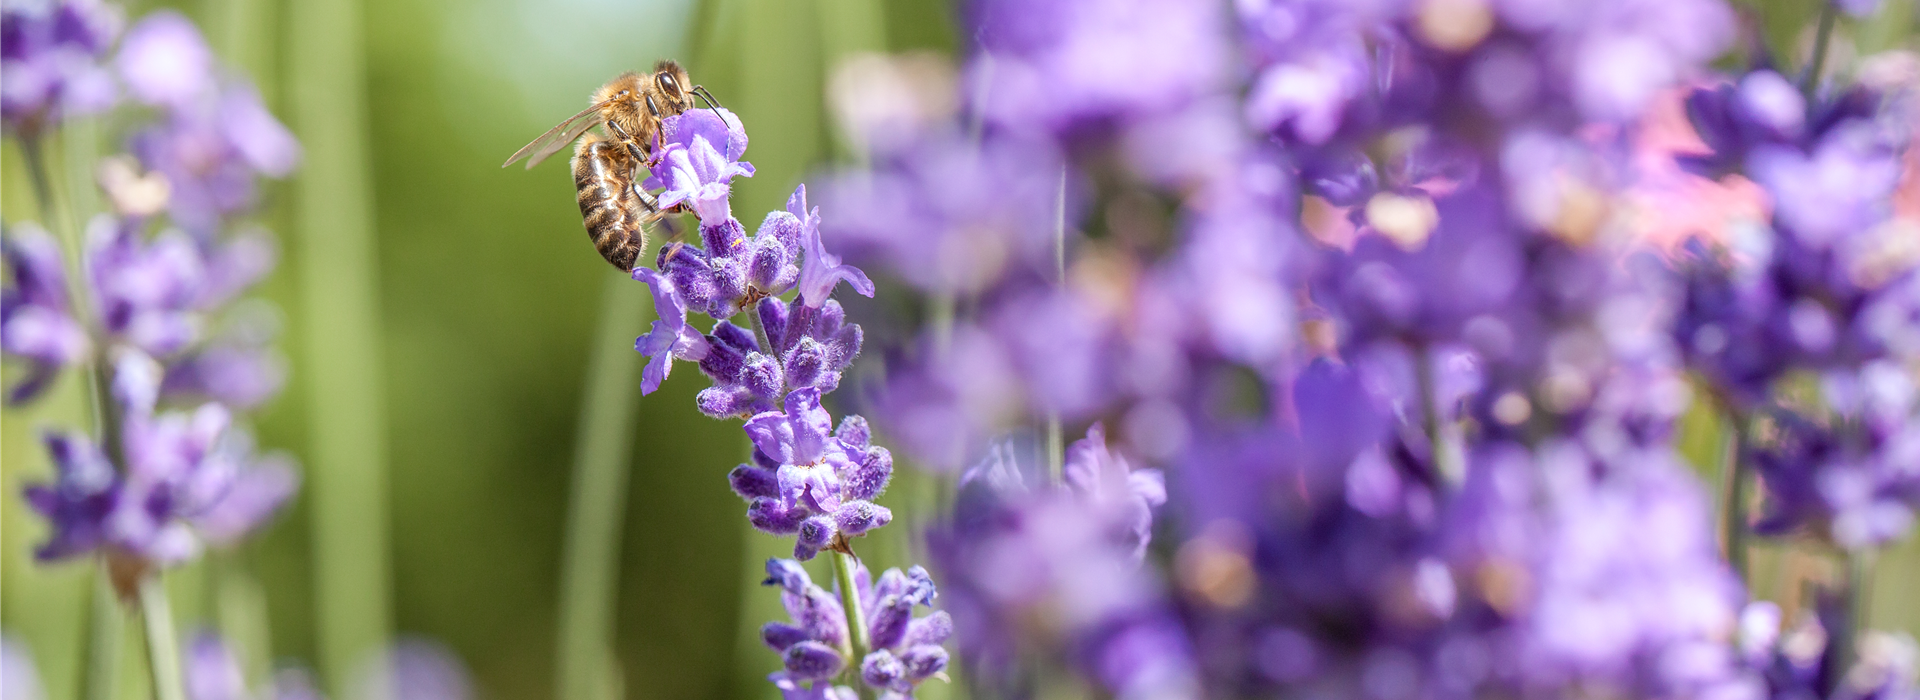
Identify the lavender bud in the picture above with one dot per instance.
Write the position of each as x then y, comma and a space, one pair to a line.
725, 238
692, 274
773, 319
932, 629
736, 337
723, 401
729, 284
889, 622
869, 479
882, 670
761, 376
844, 346
806, 362
788, 575
770, 268
857, 517
831, 317
816, 532
923, 661
752, 482
780, 636
813, 661
854, 433
771, 516
782, 226
920, 589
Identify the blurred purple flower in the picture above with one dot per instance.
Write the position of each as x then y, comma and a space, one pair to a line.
1067, 65
947, 216
165, 62
415, 668
211, 671
187, 478
50, 56
36, 318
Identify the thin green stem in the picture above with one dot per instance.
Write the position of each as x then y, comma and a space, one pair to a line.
1858, 577
1737, 477
105, 627
843, 566
1056, 439
1817, 63
603, 450
37, 173
163, 644
1438, 440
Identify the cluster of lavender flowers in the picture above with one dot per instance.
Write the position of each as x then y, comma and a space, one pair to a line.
147, 306
808, 479
154, 316
1361, 278
1824, 291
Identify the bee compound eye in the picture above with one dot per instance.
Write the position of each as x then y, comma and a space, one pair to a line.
668, 83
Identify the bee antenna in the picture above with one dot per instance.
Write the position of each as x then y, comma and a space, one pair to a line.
713, 104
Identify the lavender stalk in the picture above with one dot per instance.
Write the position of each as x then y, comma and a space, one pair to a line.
163, 650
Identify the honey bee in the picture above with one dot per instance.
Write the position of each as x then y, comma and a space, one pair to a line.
615, 211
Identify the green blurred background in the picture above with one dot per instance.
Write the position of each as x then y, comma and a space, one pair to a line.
488, 298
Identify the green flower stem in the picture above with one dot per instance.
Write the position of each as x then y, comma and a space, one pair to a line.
37, 173
1737, 478
106, 627
843, 564
1056, 440
339, 292
1438, 439
602, 452
1818, 62
163, 644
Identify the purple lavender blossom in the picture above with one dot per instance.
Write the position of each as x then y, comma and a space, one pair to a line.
700, 153
1017, 550
145, 291
50, 62
905, 650
77, 504
671, 337
822, 271
808, 482
211, 150
36, 319
187, 478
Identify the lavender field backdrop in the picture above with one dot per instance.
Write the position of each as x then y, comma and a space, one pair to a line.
1380, 349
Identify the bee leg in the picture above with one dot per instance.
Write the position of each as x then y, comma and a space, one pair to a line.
628, 141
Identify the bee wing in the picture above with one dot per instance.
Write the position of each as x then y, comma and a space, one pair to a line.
557, 137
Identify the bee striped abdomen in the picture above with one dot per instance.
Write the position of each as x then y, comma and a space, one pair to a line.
612, 212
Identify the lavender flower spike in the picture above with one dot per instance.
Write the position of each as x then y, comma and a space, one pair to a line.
821, 270
671, 336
